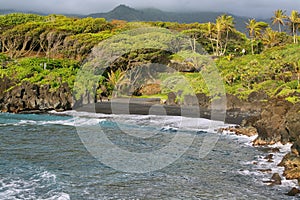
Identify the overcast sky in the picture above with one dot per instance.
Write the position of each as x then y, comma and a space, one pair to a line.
253, 8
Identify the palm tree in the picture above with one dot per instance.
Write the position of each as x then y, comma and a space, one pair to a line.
117, 79
210, 28
294, 21
219, 29
255, 30
270, 38
228, 25
278, 18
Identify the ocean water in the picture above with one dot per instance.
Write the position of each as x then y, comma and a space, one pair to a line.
47, 157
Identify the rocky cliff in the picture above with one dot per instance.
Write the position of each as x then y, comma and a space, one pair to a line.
31, 97
279, 121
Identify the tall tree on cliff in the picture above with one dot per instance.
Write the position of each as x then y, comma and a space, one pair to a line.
219, 28
294, 21
228, 25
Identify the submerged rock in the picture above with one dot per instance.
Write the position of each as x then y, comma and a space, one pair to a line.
276, 179
291, 164
238, 130
293, 192
265, 170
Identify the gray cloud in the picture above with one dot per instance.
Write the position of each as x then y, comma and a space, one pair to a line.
254, 8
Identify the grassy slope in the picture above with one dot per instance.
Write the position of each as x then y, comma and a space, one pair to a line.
275, 72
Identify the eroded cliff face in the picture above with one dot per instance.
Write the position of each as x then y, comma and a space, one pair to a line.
32, 97
279, 122
272, 124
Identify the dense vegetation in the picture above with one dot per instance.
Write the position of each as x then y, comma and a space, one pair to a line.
51, 49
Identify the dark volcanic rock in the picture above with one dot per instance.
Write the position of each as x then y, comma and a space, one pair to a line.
28, 97
171, 99
291, 164
279, 121
234, 103
293, 192
190, 100
248, 131
5, 83
265, 170
272, 126
276, 179
269, 157
257, 96
293, 127
203, 100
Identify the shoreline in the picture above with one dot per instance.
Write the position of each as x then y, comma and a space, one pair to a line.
146, 108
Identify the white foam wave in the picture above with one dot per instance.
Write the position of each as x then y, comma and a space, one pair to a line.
61, 196
261, 162
250, 173
168, 129
173, 122
25, 187
67, 122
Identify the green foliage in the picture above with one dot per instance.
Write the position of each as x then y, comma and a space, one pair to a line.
53, 35
43, 50
10, 20
86, 83
177, 83
269, 71
293, 99
42, 71
3, 57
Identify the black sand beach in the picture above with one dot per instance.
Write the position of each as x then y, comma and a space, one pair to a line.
148, 107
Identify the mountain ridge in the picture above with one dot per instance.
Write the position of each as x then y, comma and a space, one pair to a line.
123, 12
127, 13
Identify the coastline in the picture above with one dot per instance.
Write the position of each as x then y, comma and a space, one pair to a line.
145, 107
140, 108
265, 165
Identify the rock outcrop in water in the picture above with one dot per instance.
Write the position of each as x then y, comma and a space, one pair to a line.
32, 97
279, 121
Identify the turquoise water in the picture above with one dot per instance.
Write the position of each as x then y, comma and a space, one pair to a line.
43, 157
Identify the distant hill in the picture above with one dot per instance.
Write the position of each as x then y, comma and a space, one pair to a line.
123, 12
4, 12
9, 11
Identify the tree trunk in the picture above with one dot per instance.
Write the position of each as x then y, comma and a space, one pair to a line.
226, 42
252, 46
194, 45
218, 47
294, 33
